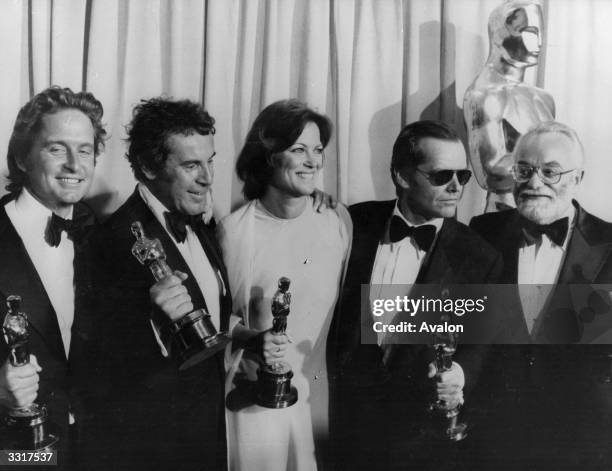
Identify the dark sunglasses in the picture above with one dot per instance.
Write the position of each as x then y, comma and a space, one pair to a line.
442, 177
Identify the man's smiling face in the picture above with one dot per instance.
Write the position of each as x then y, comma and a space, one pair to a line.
185, 181
60, 164
540, 202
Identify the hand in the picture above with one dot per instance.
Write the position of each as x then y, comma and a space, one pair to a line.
19, 384
170, 296
449, 384
322, 201
273, 346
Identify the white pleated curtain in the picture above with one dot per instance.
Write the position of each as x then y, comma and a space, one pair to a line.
371, 65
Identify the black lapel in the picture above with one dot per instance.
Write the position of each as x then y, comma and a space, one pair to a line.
585, 257
369, 226
365, 246
84, 298
568, 318
510, 240
19, 276
447, 260
436, 267
211, 247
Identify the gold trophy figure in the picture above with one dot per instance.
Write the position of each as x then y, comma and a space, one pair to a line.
500, 105
274, 389
194, 337
445, 421
27, 427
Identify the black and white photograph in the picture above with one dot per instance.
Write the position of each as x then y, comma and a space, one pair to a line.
306, 235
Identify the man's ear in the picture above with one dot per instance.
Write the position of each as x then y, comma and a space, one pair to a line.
399, 180
20, 163
579, 176
150, 174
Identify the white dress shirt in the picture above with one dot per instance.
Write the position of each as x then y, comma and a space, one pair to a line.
53, 264
397, 263
539, 265
209, 282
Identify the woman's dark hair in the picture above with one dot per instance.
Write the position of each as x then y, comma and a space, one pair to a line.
29, 120
153, 122
275, 129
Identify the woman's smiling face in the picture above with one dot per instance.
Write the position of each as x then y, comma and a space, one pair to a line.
296, 168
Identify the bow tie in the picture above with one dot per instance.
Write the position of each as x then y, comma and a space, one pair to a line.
422, 235
177, 224
556, 231
73, 227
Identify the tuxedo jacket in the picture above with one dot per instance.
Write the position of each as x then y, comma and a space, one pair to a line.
62, 378
369, 393
459, 256
561, 386
163, 418
588, 261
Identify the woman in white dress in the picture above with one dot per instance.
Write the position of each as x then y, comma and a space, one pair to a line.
279, 233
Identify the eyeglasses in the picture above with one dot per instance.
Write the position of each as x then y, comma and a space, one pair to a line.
442, 177
523, 173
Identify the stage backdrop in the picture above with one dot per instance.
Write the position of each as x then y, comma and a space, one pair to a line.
371, 65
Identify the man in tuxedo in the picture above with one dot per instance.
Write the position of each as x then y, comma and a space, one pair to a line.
558, 410
46, 255
165, 418
381, 392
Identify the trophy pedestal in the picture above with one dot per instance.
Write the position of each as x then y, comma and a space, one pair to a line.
445, 424
26, 429
196, 339
274, 389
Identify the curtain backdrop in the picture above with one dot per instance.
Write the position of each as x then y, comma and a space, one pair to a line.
371, 65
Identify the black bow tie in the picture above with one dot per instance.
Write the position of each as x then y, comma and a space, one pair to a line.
556, 231
73, 227
422, 235
177, 224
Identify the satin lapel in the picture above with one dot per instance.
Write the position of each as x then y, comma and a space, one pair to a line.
366, 245
213, 252
509, 247
19, 276
583, 262
366, 237
581, 266
442, 263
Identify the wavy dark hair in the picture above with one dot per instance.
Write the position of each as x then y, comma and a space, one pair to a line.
153, 122
29, 120
275, 129
407, 151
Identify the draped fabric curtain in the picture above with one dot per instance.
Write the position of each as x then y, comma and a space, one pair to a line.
371, 65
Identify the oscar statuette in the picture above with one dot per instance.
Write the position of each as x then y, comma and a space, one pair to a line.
26, 427
444, 420
194, 337
274, 389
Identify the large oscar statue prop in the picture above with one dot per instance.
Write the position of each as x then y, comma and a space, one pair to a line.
194, 337
26, 427
274, 389
499, 106
445, 422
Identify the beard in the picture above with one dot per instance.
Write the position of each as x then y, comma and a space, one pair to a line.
543, 213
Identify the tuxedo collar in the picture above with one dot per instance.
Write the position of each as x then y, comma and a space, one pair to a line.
436, 222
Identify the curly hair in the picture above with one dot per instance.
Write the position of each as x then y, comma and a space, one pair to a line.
153, 122
29, 121
275, 129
